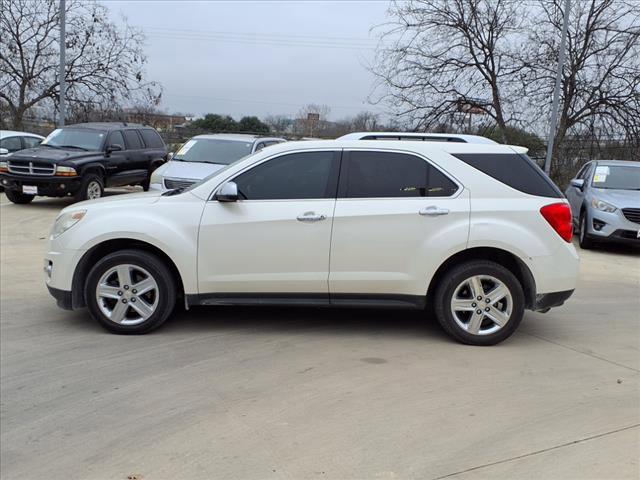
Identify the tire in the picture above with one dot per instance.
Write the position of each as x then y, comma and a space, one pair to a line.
91, 188
459, 282
147, 182
18, 197
583, 238
152, 307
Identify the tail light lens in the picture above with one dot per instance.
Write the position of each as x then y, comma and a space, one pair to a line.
559, 217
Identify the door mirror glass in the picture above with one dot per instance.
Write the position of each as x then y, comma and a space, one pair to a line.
578, 183
3, 151
170, 156
227, 192
114, 148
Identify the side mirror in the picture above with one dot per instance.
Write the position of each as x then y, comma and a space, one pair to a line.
578, 183
114, 148
227, 193
3, 151
170, 156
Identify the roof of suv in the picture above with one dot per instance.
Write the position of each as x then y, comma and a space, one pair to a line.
425, 137
108, 125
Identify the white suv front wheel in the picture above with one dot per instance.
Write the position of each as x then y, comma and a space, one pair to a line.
479, 303
130, 291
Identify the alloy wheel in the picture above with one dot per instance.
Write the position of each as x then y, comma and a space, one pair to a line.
127, 294
94, 190
481, 305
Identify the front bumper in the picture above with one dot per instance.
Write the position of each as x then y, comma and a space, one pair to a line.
612, 227
50, 186
64, 299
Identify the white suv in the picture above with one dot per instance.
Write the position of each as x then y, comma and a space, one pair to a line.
478, 232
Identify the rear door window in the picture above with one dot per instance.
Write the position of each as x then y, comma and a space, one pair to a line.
513, 169
387, 174
12, 144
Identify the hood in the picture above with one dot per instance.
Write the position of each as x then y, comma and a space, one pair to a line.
51, 155
618, 198
188, 170
117, 201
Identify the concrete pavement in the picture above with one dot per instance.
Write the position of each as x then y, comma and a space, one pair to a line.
235, 393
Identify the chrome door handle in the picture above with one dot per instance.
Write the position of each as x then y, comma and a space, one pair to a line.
433, 211
310, 217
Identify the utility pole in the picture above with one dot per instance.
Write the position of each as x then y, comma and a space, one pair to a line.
556, 90
63, 87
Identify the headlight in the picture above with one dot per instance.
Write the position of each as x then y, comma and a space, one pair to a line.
66, 172
604, 206
65, 221
156, 177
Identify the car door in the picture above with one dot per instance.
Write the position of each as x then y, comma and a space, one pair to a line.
117, 160
397, 218
273, 241
135, 150
575, 195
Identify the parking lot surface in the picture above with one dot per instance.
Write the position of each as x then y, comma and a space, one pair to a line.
311, 393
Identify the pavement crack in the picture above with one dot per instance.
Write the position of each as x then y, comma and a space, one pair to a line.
577, 350
538, 452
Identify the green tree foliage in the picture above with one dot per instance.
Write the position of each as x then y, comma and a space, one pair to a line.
214, 123
253, 125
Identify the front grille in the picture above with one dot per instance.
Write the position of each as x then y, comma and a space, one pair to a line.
31, 168
172, 183
632, 214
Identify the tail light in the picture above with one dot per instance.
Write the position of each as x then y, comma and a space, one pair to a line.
559, 217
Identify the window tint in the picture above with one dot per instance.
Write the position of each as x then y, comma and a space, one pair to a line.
151, 138
514, 170
116, 138
12, 144
133, 140
293, 176
384, 174
30, 142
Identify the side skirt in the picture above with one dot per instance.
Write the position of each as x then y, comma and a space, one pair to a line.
356, 300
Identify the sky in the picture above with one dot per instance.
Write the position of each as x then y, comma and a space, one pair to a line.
258, 57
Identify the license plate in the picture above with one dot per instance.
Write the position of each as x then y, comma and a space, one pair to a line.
29, 189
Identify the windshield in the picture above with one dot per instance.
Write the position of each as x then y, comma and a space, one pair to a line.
83, 139
617, 177
219, 151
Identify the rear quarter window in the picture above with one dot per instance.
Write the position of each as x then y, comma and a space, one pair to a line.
151, 138
513, 169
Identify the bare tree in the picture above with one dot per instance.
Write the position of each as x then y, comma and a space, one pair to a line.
104, 64
311, 119
438, 56
365, 121
278, 123
600, 84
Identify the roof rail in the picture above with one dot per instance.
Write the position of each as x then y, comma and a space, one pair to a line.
411, 136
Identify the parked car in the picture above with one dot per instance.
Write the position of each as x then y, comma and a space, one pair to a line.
605, 201
330, 223
203, 155
11, 141
81, 160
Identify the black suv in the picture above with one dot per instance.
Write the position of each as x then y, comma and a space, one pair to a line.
81, 160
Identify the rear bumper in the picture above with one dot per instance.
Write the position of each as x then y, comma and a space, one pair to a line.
49, 186
546, 301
